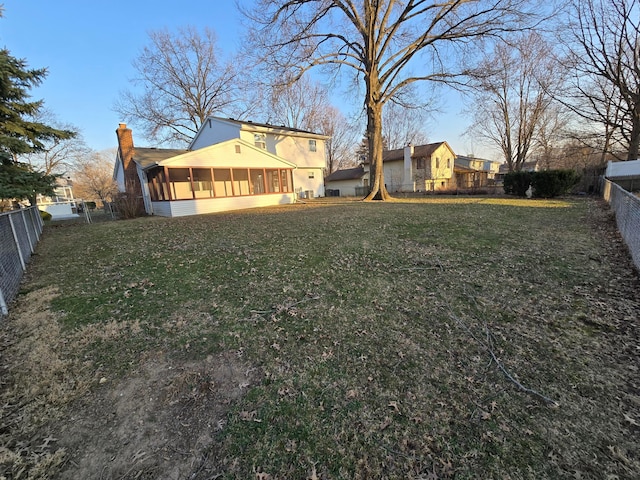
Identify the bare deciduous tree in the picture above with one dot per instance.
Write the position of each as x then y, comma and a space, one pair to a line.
300, 104
93, 177
604, 50
551, 135
57, 155
305, 105
513, 96
389, 45
403, 125
341, 145
184, 80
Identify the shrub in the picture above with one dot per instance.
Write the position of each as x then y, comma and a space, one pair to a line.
517, 183
45, 216
128, 205
90, 205
553, 183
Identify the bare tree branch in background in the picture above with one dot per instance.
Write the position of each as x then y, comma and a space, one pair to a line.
604, 51
387, 44
551, 136
57, 155
513, 96
297, 104
341, 146
304, 104
404, 125
93, 177
183, 79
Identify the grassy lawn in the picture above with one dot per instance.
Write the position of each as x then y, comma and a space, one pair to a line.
417, 339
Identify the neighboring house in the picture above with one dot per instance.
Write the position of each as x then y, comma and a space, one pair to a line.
470, 178
474, 172
626, 174
419, 169
228, 175
423, 168
306, 150
62, 204
491, 167
350, 182
532, 166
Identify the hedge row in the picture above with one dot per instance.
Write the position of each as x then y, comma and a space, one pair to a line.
544, 184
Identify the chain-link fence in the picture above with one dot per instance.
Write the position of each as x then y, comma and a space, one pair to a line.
627, 209
20, 231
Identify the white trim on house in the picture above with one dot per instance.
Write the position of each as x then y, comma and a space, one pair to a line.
626, 169
235, 154
286, 143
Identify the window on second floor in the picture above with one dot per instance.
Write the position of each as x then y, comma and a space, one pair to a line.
260, 140
437, 162
312, 146
420, 163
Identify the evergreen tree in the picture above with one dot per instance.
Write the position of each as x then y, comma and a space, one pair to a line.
19, 134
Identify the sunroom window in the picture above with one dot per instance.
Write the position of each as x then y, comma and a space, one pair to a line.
180, 183
202, 184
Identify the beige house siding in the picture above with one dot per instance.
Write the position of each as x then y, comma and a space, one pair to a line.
304, 149
394, 177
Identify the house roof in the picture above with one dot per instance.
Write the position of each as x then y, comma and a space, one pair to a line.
463, 169
346, 174
418, 151
151, 156
476, 159
526, 167
251, 124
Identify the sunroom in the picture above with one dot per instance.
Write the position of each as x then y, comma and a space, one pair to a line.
227, 176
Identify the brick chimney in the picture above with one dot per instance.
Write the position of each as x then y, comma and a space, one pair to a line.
126, 152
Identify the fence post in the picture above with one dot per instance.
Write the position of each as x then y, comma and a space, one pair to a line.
26, 229
3, 305
39, 220
15, 238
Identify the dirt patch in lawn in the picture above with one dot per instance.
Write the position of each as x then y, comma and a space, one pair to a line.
61, 419
158, 423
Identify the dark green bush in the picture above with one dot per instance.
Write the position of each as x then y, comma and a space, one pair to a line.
517, 183
90, 205
553, 183
45, 216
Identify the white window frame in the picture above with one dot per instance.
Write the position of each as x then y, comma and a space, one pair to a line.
260, 140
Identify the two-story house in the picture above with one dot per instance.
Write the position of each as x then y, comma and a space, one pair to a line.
422, 168
228, 175
306, 150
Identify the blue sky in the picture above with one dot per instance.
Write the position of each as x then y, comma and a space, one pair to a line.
88, 46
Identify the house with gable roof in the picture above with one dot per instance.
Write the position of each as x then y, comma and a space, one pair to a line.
304, 149
228, 175
422, 168
347, 182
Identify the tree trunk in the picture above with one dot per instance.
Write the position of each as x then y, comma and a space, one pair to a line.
634, 143
378, 190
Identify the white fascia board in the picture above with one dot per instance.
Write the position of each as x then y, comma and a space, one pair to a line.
184, 158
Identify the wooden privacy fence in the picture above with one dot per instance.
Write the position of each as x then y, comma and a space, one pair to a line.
627, 209
20, 231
